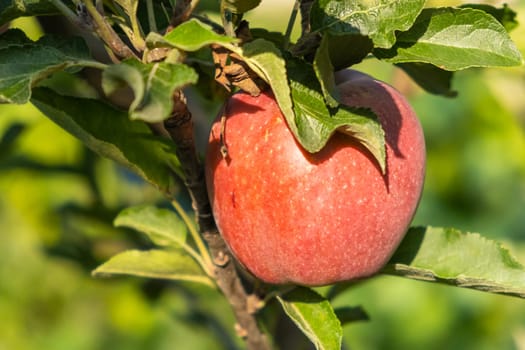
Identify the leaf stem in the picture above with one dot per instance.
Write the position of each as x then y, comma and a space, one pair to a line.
151, 16
192, 7
208, 269
180, 128
66, 12
183, 11
138, 35
291, 23
227, 21
92, 64
194, 233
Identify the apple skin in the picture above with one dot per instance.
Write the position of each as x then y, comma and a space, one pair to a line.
289, 216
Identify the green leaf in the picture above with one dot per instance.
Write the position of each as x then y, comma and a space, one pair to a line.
356, 48
325, 73
315, 123
153, 85
125, 15
173, 264
265, 59
239, 6
162, 226
12, 9
504, 15
431, 78
463, 259
193, 35
23, 62
454, 39
314, 316
129, 7
377, 19
118, 76
110, 133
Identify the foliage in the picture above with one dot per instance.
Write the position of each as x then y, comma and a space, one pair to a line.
430, 44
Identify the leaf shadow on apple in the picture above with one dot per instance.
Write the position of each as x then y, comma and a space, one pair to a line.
340, 141
358, 89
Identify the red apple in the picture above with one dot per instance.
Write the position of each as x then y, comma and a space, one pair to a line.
289, 216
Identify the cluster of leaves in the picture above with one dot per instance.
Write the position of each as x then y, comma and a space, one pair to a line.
428, 43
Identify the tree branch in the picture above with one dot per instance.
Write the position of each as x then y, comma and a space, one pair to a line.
106, 32
180, 128
305, 7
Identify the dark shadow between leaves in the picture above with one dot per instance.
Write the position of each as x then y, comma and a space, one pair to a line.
409, 247
345, 141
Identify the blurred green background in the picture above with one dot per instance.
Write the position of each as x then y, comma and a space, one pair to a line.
58, 201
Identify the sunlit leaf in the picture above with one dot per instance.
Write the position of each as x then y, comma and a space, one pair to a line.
315, 123
462, 259
314, 316
505, 15
193, 35
173, 264
454, 39
377, 19
162, 226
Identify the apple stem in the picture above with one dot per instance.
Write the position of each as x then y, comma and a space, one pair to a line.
180, 128
224, 148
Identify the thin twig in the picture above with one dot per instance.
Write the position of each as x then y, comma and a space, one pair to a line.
227, 21
305, 7
229, 282
180, 128
291, 23
183, 11
66, 12
138, 35
194, 233
106, 32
